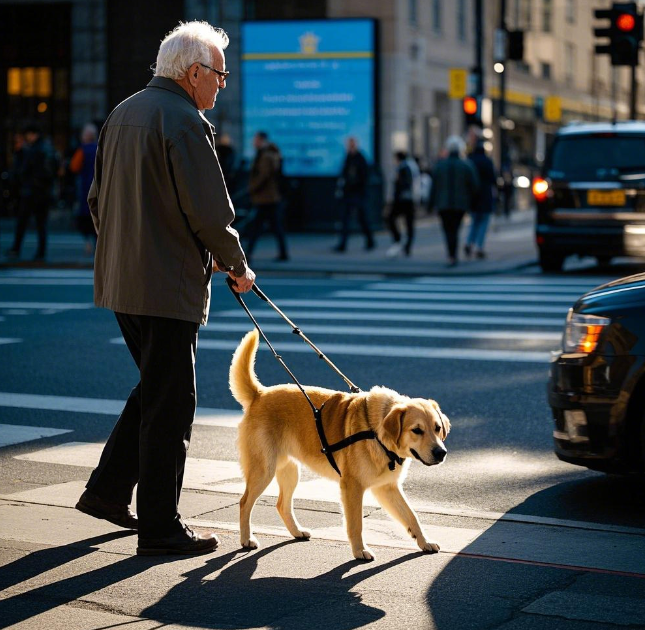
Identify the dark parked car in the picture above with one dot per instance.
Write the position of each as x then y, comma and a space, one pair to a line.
597, 383
591, 195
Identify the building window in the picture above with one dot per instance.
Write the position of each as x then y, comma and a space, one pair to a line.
436, 16
412, 12
461, 20
547, 13
522, 15
545, 70
571, 11
570, 62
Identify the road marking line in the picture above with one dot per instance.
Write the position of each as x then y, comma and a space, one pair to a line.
46, 305
455, 297
476, 287
407, 352
382, 331
529, 322
47, 281
538, 281
205, 416
400, 305
15, 434
6, 340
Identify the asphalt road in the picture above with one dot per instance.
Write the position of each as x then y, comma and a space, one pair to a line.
480, 347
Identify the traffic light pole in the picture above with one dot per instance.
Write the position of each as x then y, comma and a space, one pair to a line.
632, 98
503, 158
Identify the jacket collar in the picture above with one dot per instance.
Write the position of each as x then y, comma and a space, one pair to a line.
172, 86
164, 83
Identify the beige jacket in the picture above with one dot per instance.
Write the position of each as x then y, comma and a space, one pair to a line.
160, 207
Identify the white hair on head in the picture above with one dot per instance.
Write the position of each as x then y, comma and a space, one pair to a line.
186, 44
89, 133
456, 144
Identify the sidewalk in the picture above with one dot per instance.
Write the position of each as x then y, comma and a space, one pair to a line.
510, 247
63, 569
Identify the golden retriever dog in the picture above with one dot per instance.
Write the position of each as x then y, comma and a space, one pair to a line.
278, 432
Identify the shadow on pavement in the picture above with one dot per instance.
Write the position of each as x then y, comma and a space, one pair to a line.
17, 608
236, 598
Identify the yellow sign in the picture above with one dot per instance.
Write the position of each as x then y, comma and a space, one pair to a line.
552, 109
457, 82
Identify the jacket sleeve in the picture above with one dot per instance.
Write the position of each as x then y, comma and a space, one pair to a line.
93, 195
204, 199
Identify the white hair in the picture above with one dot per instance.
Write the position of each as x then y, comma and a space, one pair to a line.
456, 144
186, 44
89, 133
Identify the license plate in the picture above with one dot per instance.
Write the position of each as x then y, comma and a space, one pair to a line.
606, 197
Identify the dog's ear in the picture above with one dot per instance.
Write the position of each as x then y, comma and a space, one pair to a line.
445, 423
393, 423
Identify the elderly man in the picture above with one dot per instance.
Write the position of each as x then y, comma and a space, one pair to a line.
163, 217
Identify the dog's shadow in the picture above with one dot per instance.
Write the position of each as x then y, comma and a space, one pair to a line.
246, 593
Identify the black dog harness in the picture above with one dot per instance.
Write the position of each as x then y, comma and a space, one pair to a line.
327, 449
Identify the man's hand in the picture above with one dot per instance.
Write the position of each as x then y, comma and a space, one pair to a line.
243, 283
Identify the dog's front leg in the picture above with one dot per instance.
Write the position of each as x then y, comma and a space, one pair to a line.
392, 499
351, 493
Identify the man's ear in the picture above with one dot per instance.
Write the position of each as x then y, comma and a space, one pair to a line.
393, 423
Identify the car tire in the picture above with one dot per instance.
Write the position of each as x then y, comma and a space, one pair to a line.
550, 261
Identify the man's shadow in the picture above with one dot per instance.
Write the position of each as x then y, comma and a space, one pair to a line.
22, 606
236, 598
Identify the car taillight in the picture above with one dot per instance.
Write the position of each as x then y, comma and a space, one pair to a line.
582, 332
540, 188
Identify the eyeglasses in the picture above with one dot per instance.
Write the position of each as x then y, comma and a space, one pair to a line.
222, 74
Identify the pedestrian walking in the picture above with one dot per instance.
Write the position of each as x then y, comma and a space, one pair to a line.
82, 165
36, 174
405, 184
484, 202
163, 219
352, 189
265, 182
455, 185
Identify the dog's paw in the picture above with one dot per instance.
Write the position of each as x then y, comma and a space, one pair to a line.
364, 554
303, 534
251, 543
430, 546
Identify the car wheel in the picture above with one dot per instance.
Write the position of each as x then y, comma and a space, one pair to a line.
603, 261
550, 261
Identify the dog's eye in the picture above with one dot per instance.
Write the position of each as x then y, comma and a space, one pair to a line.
437, 428
417, 430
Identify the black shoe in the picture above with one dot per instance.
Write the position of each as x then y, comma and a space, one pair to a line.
370, 246
39, 258
339, 249
468, 250
284, 258
115, 513
481, 254
186, 542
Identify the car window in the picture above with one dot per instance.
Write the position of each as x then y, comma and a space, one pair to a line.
596, 157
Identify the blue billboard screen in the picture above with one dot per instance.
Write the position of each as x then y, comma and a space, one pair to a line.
309, 85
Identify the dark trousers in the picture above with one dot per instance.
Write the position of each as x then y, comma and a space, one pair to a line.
451, 220
351, 203
150, 441
271, 213
404, 208
38, 207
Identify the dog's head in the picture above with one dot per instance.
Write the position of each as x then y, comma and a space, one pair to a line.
414, 427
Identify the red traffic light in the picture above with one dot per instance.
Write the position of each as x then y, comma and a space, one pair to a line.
470, 105
625, 22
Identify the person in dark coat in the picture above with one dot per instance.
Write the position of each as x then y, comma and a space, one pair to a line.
455, 185
82, 164
38, 171
352, 186
484, 202
265, 182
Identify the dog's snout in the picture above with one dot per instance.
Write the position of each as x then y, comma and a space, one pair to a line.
439, 453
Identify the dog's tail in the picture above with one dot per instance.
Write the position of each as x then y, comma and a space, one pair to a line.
242, 378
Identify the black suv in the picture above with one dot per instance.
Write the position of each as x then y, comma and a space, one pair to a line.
591, 196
